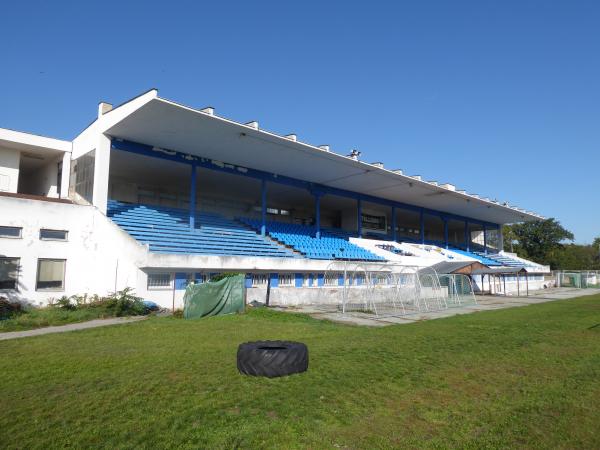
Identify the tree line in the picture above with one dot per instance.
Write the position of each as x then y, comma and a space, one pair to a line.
549, 243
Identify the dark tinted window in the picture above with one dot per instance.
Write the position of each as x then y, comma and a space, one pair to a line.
55, 235
11, 232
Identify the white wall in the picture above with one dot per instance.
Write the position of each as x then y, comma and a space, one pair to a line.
94, 248
9, 169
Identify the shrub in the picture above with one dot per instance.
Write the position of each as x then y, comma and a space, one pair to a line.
65, 303
121, 303
178, 313
222, 276
9, 309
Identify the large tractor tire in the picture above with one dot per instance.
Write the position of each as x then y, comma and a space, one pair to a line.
272, 358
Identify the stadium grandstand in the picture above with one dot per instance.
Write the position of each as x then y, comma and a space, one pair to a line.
154, 195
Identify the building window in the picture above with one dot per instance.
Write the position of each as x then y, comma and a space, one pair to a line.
82, 176
159, 280
310, 279
286, 279
53, 235
9, 273
332, 279
260, 279
10, 232
50, 275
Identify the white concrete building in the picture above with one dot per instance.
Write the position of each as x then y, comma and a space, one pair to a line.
154, 194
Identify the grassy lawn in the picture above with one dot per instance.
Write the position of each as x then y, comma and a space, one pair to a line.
46, 317
522, 377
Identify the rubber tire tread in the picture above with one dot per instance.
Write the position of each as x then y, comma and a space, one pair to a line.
271, 363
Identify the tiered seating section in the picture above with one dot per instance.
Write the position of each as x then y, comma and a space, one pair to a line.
333, 244
167, 230
481, 258
505, 260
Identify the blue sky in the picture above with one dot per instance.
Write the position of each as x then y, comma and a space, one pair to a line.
500, 98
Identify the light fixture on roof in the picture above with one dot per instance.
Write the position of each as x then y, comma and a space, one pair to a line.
208, 110
324, 147
252, 124
292, 137
378, 164
354, 154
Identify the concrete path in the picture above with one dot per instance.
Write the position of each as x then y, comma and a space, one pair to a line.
70, 327
484, 303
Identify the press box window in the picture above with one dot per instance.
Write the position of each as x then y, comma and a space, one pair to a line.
50, 275
286, 279
159, 280
10, 232
53, 235
9, 273
259, 279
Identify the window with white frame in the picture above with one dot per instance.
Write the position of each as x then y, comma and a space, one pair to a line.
51, 275
159, 280
332, 280
10, 232
53, 235
308, 277
9, 273
286, 279
260, 279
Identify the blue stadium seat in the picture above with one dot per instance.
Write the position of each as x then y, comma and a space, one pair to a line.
483, 259
504, 259
167, 230
333, 243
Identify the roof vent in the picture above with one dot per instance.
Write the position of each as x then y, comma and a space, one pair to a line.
253, 124
449, 186
435, 183
208, 110
398, 171
324, 147
292, 137
461, 192
354, 154
378, 164
103, 108
417, 177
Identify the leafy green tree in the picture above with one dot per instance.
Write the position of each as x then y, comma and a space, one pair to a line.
539, 241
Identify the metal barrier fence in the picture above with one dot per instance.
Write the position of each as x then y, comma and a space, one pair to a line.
581, 279
392, 290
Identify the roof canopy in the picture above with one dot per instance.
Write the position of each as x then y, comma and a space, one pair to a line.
162, 123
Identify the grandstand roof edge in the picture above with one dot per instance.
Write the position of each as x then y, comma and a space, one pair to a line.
152, 127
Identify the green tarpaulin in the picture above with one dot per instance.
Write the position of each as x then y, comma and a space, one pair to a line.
214, 298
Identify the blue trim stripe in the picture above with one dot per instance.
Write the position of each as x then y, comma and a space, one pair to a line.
184, 158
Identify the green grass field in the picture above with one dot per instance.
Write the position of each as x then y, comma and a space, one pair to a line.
522, 377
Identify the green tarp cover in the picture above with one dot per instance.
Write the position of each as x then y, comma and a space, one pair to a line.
214, 298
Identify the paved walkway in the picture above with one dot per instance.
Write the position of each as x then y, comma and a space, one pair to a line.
70, 327
484, 303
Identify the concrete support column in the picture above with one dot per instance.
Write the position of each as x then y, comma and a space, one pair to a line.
467, 237
263, 207
317, 215
359, 217
101, 172
500, 239
445, 233
193, 183
394, 224
484, 239
422, 222
66, 175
